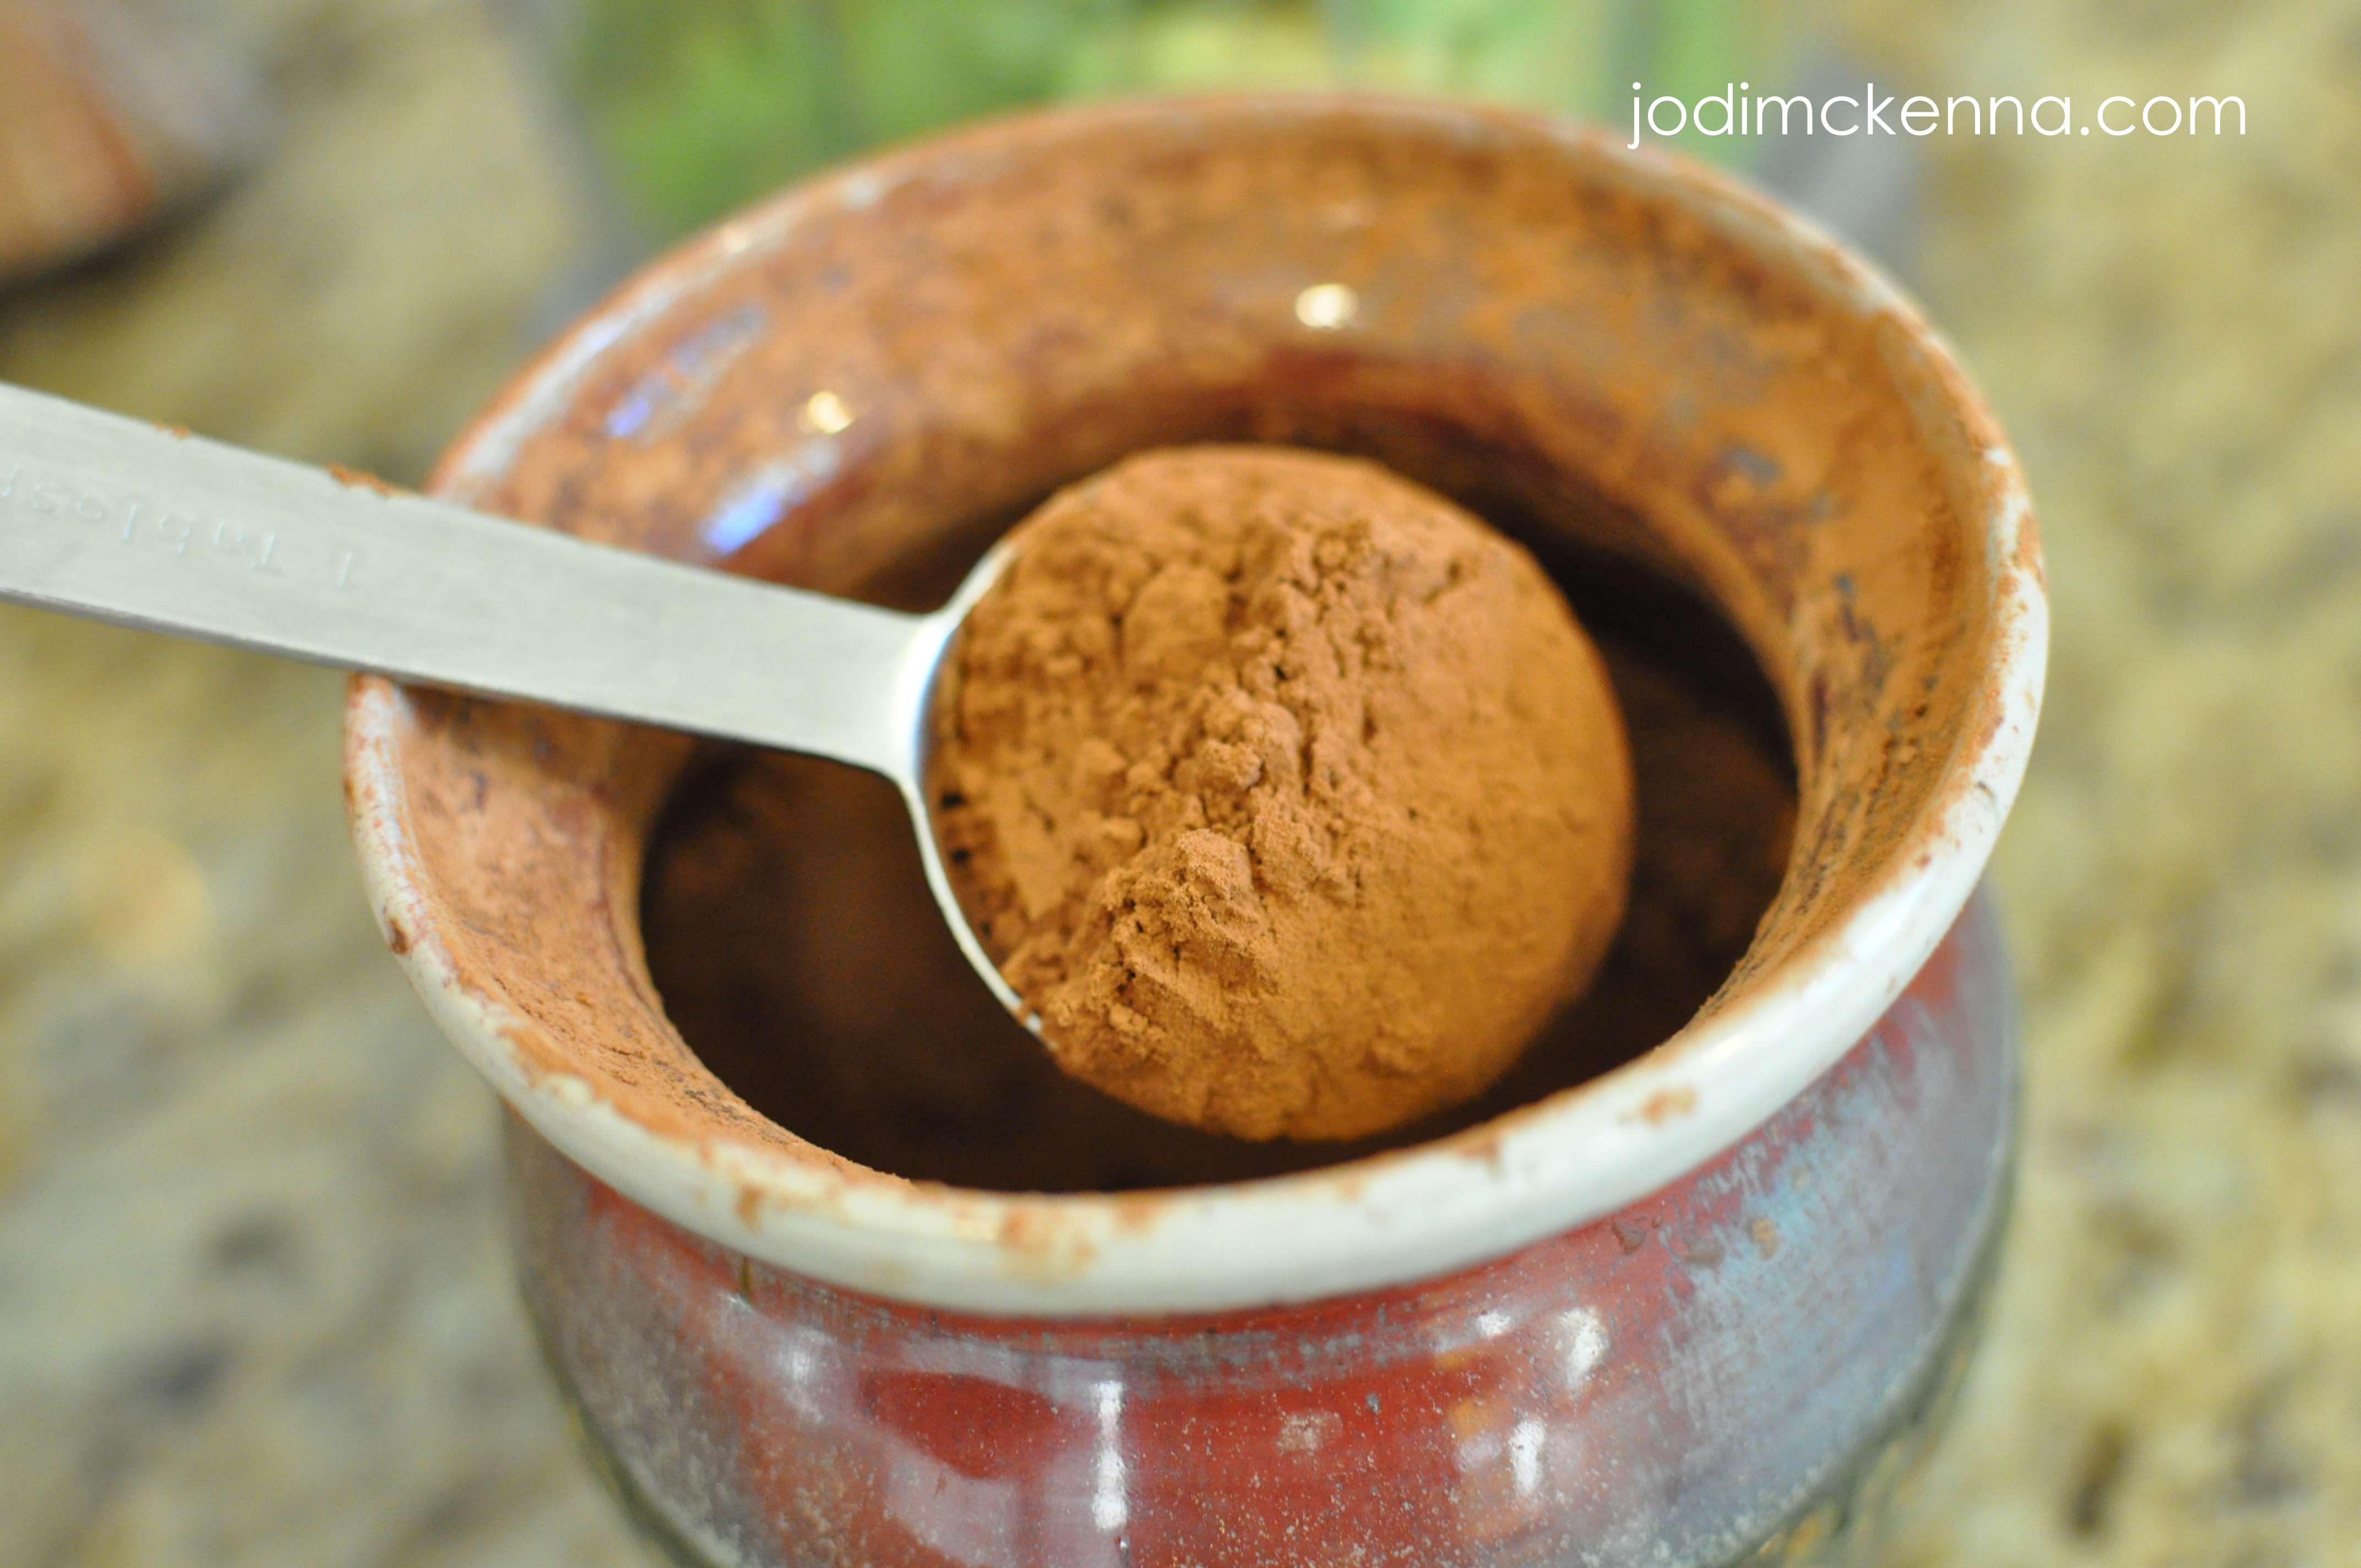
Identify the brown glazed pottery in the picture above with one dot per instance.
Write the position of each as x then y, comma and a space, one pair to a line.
1694, 1310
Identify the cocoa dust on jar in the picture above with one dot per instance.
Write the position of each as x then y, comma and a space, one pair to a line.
1289, 794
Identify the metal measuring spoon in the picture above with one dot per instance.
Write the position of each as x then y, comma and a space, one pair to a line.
121, 520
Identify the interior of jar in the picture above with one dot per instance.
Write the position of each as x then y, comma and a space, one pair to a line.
790, 932
861, 387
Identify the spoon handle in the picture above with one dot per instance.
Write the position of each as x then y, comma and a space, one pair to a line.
121, 520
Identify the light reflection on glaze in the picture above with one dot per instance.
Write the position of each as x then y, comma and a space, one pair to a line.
1324, 307
775, 488
1585, 1345
1525, 1455
825, 413
659, 400
1110, 1508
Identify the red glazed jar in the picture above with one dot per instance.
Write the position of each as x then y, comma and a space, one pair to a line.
1694, 1310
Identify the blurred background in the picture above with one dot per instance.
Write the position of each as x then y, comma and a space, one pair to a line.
255, 1304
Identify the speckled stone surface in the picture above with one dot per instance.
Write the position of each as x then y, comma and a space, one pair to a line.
2172, 332
254, 1301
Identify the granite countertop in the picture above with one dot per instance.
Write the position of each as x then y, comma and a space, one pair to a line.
254, 1301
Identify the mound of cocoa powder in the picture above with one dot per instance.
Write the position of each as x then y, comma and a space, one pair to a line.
791, 934
1289, 792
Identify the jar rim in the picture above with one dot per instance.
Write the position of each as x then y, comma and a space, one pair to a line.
1534, 1171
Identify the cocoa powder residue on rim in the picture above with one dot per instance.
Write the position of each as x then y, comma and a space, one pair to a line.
1531, 331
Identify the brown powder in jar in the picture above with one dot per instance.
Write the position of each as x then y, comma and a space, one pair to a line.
795, 944
1290, 793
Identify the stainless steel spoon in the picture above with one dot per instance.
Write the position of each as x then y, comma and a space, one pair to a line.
120, 521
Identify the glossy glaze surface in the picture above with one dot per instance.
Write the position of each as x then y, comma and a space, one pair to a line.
1680, 1312
1735, 1365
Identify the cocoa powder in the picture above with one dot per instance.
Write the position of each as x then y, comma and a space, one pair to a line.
1290, 793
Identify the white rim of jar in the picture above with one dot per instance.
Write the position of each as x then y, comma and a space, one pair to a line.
1389, 1220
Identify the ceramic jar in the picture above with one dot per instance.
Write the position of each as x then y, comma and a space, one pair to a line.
1694, 1310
